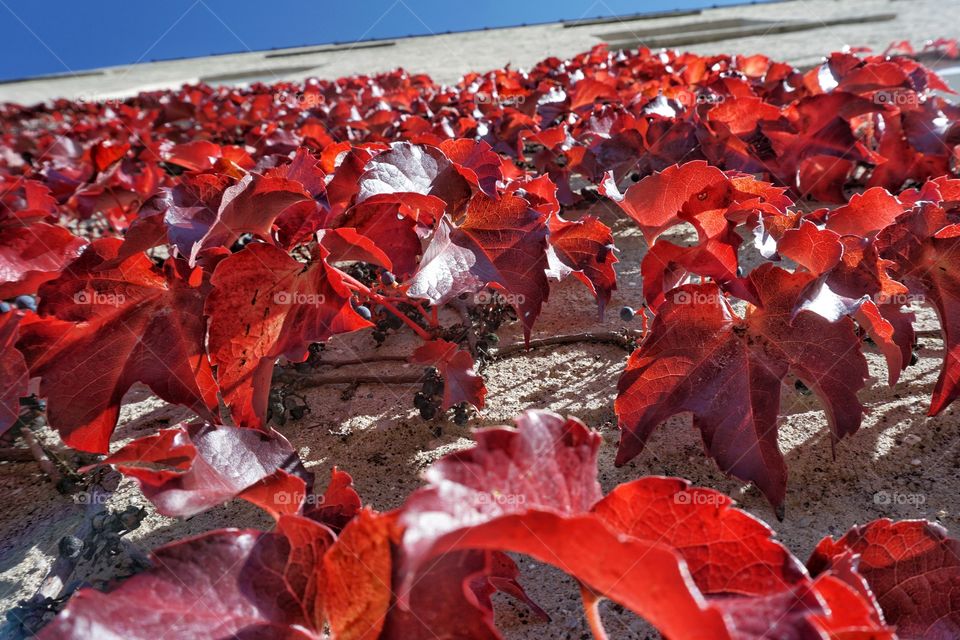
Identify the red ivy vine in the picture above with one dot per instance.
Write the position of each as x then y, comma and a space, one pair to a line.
190, 239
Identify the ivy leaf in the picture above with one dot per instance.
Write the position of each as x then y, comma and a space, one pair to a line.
912, 567
249, 585
584, 248
33, 254
502, 243
13, 371
188, 469
728, 552
461, 383
726, 370
137, 322
924, 246
264, 304
410, 172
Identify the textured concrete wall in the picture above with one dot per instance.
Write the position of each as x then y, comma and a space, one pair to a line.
447, 56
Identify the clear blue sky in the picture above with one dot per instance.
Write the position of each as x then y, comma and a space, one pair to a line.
58, 36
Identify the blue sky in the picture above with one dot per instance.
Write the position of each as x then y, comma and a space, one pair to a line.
59, 36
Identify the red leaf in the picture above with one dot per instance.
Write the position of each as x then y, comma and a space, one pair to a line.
502, 242
476, 162
172, 214
200, 155
585, 248
523, 491
460, 381
866, 213
727, 551
407, 171
912, 567
924, 246
264, 305
137, 322
188, 469
249, 206
346, 245
655, 203
727, 371
13, 371
107, 152
388, 226
339, 503
279, 494
305, 169
816, 250
451, 598
33, 254
358, 578
249, 584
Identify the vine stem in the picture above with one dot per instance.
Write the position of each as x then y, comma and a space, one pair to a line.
591, 607
353, 283
306, 379
355, 361
604, 337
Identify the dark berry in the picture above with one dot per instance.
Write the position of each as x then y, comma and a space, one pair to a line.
131, 517
70, 547
627, 313
4, 306
420, 399
460, 414
433, 387
363, 312
298, 411
26, 302
428, 411
388, 278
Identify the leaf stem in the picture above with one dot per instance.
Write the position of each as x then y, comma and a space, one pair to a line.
352, 282
591, 608
309, 379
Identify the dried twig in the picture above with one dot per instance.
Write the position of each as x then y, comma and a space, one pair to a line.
618, 338
300, 379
